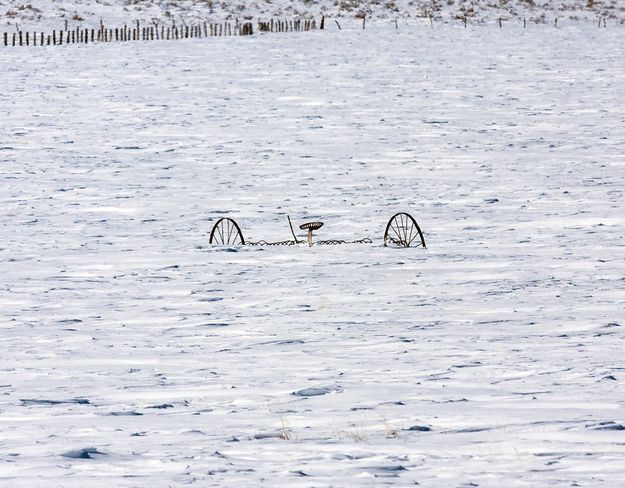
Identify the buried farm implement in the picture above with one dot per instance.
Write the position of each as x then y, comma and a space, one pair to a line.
401, 231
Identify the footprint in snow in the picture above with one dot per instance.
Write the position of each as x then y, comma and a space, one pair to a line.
317, 391
84, 453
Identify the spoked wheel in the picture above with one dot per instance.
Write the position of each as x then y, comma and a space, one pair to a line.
403, 231
226, 232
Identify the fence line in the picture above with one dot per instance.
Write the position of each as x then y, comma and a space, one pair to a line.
152, 32
173, 32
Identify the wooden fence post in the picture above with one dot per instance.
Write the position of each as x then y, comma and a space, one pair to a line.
20, 34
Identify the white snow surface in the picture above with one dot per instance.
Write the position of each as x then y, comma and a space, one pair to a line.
492, 358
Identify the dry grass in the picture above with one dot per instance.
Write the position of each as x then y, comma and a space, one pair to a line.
285, 432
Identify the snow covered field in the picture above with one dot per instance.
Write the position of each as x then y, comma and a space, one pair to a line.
493, 358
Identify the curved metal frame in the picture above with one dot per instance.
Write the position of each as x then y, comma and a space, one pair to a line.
232, 225
407, 238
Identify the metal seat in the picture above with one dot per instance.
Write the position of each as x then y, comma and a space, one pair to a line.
310, 226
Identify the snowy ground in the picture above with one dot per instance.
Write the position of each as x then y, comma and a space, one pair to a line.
493, 358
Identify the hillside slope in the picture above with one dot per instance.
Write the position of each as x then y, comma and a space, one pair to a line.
55, 13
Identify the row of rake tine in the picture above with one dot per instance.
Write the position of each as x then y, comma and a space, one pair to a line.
329, 242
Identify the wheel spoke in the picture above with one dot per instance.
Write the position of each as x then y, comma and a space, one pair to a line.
220, 233
410, 238
229, 230
395, 228
405, 220
403, 228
